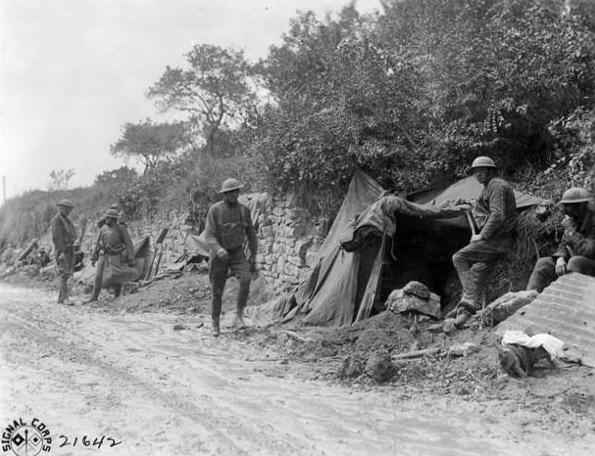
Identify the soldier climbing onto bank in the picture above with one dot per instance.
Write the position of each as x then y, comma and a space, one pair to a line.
227, 226
495, 238
64, 237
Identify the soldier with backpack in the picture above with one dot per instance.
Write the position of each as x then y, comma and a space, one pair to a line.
112, 248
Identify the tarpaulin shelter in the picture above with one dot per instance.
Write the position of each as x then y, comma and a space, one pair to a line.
466, 188
367, 252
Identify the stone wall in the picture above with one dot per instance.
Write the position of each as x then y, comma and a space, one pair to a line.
173, 244
289, 238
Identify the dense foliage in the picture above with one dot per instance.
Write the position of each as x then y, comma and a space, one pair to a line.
413, 94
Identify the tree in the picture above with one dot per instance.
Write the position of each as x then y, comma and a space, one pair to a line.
59, 179
151, 143
215, 90
116, 177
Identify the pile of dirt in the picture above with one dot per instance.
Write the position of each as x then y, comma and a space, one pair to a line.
368, 353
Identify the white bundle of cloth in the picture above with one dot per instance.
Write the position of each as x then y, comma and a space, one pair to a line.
554, 346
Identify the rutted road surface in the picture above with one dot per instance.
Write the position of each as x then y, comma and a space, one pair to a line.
133, 378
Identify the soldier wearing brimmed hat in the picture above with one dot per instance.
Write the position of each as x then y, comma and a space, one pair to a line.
113, 245
494, 239
228, 225
576, 252
64, 237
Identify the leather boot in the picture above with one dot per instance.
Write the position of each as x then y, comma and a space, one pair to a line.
64, 291
238, 321
60, 292
243, 292
117, 290
215, 331
216, 312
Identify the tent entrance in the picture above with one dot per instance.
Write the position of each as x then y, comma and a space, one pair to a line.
420, 250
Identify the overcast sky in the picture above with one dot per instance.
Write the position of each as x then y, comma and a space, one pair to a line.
72, 72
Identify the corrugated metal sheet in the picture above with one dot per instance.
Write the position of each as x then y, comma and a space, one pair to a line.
566, 310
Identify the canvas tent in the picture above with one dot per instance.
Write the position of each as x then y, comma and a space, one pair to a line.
378, 243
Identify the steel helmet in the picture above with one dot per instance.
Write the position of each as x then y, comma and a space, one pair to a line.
111, 213
576, 195
229, 185
483, 162
65, 202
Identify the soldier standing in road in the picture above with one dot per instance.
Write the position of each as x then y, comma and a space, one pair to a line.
64, 237
576, 252
113, 243
227, 226
495, 238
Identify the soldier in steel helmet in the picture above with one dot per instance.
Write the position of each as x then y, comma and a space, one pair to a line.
64, 237
228, 225
113, 246
494, 239
576, 252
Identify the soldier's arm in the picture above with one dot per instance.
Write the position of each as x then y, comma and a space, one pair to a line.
496, 217
210, 233
57, 235
582, 244
562, 251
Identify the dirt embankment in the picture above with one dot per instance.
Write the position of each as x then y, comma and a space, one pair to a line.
366, 354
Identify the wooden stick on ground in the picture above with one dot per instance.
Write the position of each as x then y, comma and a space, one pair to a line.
296, 336
418, 353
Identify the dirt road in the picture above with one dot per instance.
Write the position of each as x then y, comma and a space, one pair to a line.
134, 379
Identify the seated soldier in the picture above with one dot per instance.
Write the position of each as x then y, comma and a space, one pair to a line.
576, 252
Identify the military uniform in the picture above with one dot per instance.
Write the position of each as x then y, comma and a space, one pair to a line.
577, 248
498, 203
113, 246
227, 227
64, 237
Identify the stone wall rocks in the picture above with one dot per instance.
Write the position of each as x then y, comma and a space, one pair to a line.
289, 237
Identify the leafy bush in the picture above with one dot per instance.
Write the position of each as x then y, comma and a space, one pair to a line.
574, 139
412, 95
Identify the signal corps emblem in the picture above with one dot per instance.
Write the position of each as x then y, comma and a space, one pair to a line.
26, 439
